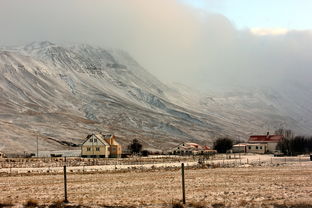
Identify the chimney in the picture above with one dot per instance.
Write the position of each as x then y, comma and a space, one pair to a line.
268, 134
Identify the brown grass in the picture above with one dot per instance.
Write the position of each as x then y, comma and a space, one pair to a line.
220, 187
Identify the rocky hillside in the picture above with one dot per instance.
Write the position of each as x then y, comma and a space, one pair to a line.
62, 93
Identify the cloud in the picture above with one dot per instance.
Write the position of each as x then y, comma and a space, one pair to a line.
174, 41
269, 31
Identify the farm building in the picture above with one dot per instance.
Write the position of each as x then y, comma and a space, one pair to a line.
270, 140
191, 149
258, 148
260, 144
239, 148
98, 145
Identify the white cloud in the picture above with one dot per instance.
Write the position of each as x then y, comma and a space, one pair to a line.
172, 40
269, 31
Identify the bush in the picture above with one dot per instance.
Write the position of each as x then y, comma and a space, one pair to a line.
31, 203
177, 205
135, 147
223, 144
145, 153
6, 204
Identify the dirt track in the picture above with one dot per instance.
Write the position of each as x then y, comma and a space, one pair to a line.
234, 187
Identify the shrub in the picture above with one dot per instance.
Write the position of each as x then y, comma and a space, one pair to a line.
57, 204
135, 147
218, 205
145, 153
197, 205
6, 204
177, 205
223, 144
31, 203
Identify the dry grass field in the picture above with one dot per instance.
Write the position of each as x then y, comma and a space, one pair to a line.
267, 186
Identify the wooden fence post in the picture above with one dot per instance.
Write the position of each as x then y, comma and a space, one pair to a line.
299, 159
65, 185
183, 183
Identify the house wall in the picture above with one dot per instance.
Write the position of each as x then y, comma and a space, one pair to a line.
115, 151
115, 148
94, 150
182, 152
256, 148
239, 149
94, 147
272, 146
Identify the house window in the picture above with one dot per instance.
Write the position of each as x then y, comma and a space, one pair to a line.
260, 147
91, 140
95, 140
97, 149
256, 147
249, 147
88, 148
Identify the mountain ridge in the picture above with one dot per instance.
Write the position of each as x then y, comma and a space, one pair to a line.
67, 92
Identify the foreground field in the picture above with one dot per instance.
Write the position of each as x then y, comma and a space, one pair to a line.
206, 187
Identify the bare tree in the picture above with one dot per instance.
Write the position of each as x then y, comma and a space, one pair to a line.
287, 133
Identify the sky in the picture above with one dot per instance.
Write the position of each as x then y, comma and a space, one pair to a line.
202, 43
288, 14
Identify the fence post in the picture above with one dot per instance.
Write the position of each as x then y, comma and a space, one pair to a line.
65, 185
183, 183
299, 159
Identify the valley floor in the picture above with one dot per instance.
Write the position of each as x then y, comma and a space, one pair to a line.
287, 185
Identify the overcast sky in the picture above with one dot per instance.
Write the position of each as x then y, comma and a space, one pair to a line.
203, 43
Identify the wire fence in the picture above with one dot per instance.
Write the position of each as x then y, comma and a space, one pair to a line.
76, 164
94, 187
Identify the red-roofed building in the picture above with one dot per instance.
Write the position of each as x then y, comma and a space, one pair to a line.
270, 140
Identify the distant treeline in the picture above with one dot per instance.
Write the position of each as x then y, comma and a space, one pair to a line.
295, 145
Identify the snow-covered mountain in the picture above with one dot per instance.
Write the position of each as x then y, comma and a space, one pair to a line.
62, 93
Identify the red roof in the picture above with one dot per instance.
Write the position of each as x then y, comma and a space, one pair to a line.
265, 138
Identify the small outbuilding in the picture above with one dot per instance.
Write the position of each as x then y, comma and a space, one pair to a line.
189, 148
240, 148
257, 148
